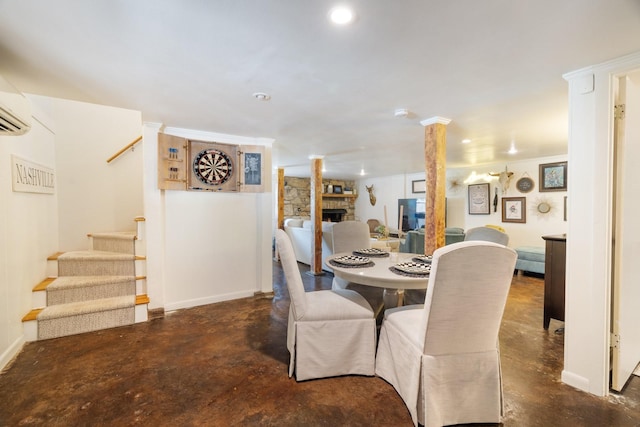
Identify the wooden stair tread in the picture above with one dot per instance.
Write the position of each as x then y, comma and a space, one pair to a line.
32, 315
43, 285
142, 299
55, 256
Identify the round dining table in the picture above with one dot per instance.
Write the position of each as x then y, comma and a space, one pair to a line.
379, 273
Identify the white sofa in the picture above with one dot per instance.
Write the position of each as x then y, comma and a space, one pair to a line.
299, 231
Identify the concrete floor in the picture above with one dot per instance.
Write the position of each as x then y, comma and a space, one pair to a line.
226, 365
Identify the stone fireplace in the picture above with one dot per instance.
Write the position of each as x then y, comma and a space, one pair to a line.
333, 215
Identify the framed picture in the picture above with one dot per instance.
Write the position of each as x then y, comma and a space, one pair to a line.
514, 209
479, 199
337, 189
553, 176
418, 186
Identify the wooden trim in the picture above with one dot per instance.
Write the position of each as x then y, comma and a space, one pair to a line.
142, 299
43, 285
32, 315
55, 256
129, 145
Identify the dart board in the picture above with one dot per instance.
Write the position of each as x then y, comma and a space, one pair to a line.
212, 166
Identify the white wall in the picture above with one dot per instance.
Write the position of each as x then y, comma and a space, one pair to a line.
589, 236
389, 189
520, 234
205, 247
96, 196
28, 228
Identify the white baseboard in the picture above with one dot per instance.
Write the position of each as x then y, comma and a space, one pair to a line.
206, 300
576, 381
11, 352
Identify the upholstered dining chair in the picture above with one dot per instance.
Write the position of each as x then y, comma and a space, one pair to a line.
349, 236
329, 332
443, 357
488, 234
372, 223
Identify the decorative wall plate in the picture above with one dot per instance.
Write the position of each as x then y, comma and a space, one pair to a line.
525, 184
544, 207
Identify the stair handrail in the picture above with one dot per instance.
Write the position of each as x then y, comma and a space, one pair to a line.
129, 145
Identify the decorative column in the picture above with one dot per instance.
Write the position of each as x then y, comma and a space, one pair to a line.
316, 215
435, 160
281, 198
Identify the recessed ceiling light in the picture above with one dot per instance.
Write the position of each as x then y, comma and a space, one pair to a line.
466, 141
262, 96
341, 15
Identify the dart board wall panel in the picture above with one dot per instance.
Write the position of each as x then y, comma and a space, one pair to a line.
213, 166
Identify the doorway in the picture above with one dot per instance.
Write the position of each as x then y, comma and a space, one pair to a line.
625, 316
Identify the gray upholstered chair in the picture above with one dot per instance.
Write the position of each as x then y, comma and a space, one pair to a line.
443, 357
487, 234
330, 332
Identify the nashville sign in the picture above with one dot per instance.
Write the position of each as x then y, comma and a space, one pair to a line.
29, 177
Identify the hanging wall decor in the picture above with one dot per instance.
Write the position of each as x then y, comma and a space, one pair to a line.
514, 209
553, 176
185, 164
525, 184
479, 196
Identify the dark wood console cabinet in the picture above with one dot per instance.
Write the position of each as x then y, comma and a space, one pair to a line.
554, 278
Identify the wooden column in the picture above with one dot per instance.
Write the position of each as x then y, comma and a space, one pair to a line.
435, 160
281, 198
316, 216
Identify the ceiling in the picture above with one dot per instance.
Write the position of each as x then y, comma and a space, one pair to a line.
494, 67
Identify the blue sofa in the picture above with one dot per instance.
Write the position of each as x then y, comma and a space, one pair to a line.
530, 258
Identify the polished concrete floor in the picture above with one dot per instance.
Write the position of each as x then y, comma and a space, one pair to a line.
226, 365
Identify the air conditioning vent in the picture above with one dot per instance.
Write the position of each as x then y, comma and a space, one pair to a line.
11, 124
15, 111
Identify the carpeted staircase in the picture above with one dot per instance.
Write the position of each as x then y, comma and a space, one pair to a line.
101, 288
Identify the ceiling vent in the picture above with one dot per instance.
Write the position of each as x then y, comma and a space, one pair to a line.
15, 111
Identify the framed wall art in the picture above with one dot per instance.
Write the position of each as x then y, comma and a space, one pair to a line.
419, 186
553, 176
337, 189
479, 195
514, 209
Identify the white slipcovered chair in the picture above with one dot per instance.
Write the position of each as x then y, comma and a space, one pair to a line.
330, 332
349, 236
443, 357
487, 234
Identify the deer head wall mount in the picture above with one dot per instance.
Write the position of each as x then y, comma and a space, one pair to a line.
372, 197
